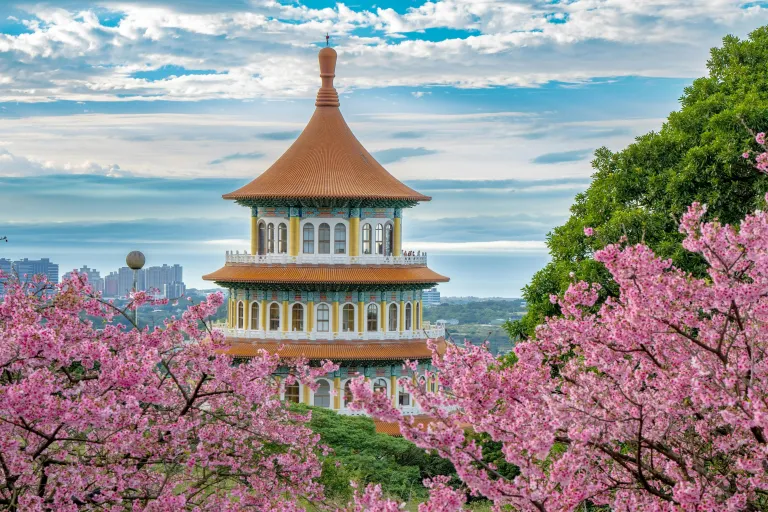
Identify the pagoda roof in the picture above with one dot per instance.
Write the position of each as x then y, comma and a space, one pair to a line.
326, 161
346, 274
348, 350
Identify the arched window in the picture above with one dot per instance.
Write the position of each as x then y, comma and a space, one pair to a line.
292, 392
348, 318
373, 317
271, 238
347, 393
240, 315
323, 316
274, 316
324, 239
392, 317
254, 315
388, 239
282, 238
379, 239
404, 399
340, 239
323, 394
309, 238
380, 386
367, 237
297, 317
262, 238
408, 318
418, 316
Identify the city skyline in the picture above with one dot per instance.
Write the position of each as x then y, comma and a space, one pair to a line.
167, 279
494, 109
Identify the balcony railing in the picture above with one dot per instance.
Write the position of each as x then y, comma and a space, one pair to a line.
325, 259
437, 331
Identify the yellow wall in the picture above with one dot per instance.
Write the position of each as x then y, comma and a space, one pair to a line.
246, 314
335, 317
306, 391
393, 389
421, 313
361, 319
397, 235
337, 398
383, 315
354, 236
263, 313
285, 316
310, 316
254, 235
293, 236
402, 316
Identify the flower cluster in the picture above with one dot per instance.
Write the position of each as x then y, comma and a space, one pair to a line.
761, 158
654, 401
109, 418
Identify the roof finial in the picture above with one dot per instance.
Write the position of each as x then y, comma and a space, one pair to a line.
327, 96
327, 39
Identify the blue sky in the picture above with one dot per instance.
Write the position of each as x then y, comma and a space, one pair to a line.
122, 123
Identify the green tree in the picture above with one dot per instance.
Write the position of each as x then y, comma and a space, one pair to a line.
641, 191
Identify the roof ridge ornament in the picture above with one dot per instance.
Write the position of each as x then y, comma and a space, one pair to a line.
327, 95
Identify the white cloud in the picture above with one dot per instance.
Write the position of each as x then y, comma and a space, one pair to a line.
15, 165
269, 49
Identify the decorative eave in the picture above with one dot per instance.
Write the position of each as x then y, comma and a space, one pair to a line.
326, 202
326, 277
394, 352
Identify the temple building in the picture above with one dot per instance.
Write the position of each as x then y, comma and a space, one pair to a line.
327, 276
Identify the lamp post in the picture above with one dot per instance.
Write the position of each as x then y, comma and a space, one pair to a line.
135, 261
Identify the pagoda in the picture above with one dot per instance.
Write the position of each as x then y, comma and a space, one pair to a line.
326, 276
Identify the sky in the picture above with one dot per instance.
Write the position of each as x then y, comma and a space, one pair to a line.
123, 122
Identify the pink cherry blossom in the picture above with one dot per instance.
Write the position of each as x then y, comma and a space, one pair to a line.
95, 416
653, 400
588, 231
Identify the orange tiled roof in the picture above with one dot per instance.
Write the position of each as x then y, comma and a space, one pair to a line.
355, 350
327, 160
357, 274
393, 429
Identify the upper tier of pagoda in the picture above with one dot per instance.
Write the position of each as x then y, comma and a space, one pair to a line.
326, 165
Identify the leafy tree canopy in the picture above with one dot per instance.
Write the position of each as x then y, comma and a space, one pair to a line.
642, 191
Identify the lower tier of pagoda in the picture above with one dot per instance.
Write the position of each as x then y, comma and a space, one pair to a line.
338, 351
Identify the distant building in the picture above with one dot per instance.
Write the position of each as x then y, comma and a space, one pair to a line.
111, 285
159, 277
5, 268
94, 277
174, 290
27, 269
431, 297
166, 280
32, 268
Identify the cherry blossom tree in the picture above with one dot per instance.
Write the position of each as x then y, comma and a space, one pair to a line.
655, 400
116, 419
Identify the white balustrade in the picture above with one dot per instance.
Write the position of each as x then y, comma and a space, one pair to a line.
324, 259
258, 334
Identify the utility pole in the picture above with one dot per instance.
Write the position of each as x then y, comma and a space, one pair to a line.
135, 261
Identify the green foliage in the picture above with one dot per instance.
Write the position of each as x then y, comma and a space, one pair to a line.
368, 457
479, 312
642, 191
